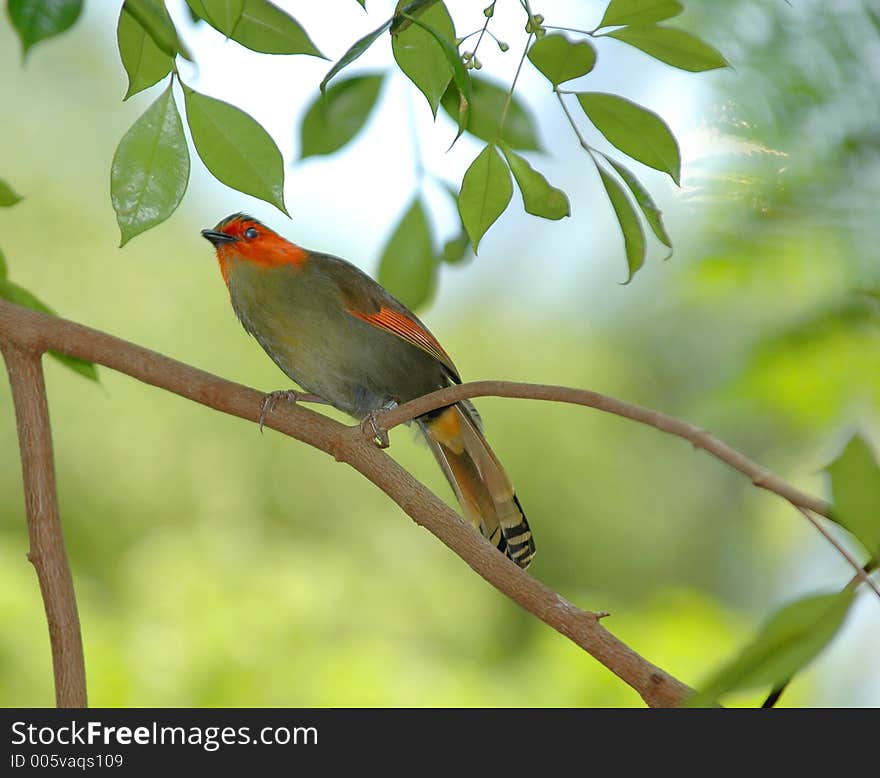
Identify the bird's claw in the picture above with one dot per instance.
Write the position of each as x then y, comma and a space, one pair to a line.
377, 433
269, 400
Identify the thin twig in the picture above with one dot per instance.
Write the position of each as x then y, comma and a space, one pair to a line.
591, 33
485, 27
699, 438
584, 145
861, 574
35, 332
512, 88
775, 694
47, 553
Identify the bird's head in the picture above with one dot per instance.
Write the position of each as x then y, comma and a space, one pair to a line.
242, 237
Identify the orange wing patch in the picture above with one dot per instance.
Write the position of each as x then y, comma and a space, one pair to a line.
407, 329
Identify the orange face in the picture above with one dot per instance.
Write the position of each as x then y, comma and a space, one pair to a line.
242, 237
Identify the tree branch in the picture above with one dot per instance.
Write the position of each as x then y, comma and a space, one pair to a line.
699, 438
35, 332
47, 553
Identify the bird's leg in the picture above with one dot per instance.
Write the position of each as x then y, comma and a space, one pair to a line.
371, 426
288, 395
378, 434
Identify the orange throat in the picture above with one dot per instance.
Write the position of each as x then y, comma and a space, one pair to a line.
270, 251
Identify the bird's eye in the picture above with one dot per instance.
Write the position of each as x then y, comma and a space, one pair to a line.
251, 233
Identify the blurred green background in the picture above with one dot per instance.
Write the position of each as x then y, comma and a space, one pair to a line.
215, 566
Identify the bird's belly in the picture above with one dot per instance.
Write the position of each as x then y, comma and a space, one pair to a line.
354, 369
318, 365
351, 364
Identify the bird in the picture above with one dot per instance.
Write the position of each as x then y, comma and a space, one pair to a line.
341, 336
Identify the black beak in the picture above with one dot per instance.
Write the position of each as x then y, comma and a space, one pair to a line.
217, 238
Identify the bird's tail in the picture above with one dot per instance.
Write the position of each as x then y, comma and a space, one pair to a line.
482, 487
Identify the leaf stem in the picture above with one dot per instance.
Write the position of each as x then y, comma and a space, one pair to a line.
485, 25
512, 87
591, 33
586, 146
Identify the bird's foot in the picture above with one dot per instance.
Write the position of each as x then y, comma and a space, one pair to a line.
288, 395
269, 400
374, 430
371, 427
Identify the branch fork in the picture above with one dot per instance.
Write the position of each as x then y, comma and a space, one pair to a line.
26, 334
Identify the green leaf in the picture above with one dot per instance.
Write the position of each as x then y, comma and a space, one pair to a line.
8, 196
363, 4
223, 15
408, 267
633, 235
144, 62
235, 148
486, 106
649, 208
85, 368
422, 58
539, 197
154, 18
460, 76
855, 486
335, 118
260, 26
37, 20
356, 49
634, 130
405, 10
4, 268
639, 12
486, 190
673, 46
150, 169
874, 16
561, 60
21, 296
789, 640
455, 249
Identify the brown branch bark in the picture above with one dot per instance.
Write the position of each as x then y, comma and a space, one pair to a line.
47, 552
699, 438
35, 332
